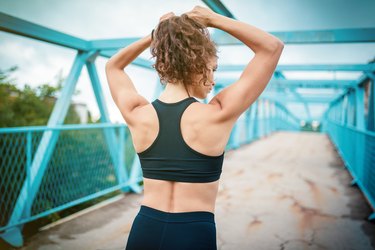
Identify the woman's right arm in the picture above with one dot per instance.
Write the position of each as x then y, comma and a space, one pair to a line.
237, 97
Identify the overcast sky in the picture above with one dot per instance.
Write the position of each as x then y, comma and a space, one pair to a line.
98, 19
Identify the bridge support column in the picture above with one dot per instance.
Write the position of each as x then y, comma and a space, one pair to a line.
116, 150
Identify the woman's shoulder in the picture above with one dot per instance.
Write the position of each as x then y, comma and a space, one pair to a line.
210, 111
142, 114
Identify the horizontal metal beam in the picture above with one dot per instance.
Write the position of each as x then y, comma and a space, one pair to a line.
283, 83
307, 100
312, 83
339, 36
111, 44
24, 28
303, 95
299, 37
318, 67
144, 63
359, 35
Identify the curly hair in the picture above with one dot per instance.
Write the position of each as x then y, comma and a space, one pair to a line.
183, 49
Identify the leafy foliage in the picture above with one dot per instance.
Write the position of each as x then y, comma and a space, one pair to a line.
29, 106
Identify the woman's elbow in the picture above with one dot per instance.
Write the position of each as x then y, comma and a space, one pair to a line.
280, 44
277, 45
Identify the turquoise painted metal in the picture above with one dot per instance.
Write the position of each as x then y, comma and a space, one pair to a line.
45, 166
364, 35
356, 148
316, 67
286, 83
218, 7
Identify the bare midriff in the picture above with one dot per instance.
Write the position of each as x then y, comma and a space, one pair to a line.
174, 197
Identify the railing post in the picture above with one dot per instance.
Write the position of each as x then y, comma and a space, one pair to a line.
252, 122
248, 124
265, 124
27, 211
344, 111
121, 159
351, 109
135, 174
233, 139
359, 107
263, 120
256, 119
371, 107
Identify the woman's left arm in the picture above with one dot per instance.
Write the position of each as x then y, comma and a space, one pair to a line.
121, 86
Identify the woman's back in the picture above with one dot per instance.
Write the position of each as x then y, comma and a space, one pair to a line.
202, 130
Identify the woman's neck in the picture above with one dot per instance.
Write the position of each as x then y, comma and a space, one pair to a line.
173, 93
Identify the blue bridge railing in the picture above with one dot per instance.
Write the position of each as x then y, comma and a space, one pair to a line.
80, 168
357, 149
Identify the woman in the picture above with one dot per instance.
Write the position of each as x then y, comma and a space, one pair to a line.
180, 141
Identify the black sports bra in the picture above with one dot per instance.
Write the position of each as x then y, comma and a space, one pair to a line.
169, 157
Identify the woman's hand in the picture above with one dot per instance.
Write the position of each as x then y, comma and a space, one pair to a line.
201, 14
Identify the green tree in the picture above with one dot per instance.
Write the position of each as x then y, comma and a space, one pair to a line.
29, 106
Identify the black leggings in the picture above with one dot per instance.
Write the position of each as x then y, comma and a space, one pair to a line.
156, 229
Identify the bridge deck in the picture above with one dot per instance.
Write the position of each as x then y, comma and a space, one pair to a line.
287, 191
